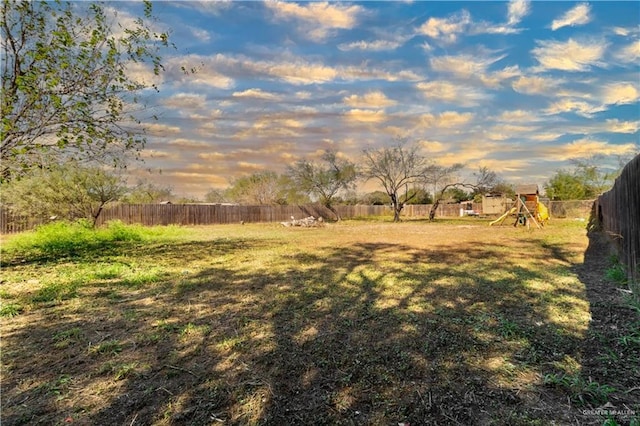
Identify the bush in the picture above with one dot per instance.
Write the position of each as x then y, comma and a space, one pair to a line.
64, 239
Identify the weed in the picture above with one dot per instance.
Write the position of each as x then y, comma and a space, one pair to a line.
10, 309
120, 371
58, 386
617, 274
581, 390
64, 338
110, 347
56, 292
192, 329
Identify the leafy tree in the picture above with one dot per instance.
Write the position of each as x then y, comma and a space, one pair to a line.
291, 193
262, 188
377, 198
70, 191
396, 167
67, 90
417, 196
457, 194
324, 181
565, 185
215, 196
147, 193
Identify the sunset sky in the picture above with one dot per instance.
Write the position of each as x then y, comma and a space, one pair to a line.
519, 87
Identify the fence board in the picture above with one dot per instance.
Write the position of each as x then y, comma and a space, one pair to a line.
206, 214
618, 213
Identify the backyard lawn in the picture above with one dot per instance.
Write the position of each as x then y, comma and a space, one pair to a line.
357, 322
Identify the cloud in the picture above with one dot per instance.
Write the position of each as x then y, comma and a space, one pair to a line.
629, 53
585, 148
546, 136
502, 132
570, 55
535, 85
317, 20
188, 144
517, 116
620, 93
462, 65
517, 10
432, 146
185, 101
470, 67
206, 72
293, 70
200, 34
374, 99
617, 126
579, 15
365, 116
245, 166
376, 45
447, 119
256, 94
157, 129
457, 94
446, 29
569, 105
157, 154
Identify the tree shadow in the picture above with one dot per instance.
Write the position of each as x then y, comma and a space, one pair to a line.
368, 333
609, 377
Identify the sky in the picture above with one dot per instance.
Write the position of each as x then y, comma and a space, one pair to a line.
519, 87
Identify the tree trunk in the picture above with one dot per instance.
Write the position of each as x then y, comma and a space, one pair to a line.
97, 215
334, 211
434, 207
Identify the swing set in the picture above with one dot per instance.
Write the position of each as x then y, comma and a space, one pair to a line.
527, 208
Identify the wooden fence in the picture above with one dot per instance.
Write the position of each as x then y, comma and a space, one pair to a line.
618, 213
206, 214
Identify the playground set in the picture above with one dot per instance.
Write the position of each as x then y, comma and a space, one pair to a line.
526, 208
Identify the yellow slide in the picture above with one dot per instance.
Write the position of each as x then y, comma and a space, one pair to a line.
542, 214
511, 211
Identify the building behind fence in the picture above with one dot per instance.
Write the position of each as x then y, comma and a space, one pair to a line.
618, 213
208, 214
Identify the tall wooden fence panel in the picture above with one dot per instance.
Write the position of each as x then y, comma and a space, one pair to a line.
618, 213
207, 214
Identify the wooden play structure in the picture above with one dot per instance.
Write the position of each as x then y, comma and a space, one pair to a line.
526, 208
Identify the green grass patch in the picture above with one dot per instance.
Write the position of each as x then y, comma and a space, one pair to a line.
71, 239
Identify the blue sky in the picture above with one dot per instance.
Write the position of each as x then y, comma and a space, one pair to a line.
519, 87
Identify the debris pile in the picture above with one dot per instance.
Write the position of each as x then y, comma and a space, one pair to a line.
307, 222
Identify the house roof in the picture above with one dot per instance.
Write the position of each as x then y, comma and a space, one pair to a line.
527, 189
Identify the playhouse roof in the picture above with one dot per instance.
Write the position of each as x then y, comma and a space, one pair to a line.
527, 189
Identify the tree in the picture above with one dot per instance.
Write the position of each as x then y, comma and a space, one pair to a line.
147, 193
565, 185
417, 195
324, 181
214, 196
443, 175
377, 198
262, 188
396, 167
70, 191
67, 91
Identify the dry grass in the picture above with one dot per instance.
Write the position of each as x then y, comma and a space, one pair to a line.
353, 323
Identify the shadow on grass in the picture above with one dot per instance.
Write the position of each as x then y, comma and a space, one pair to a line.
608, 384
368, 333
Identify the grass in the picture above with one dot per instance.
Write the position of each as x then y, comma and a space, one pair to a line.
359, 322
